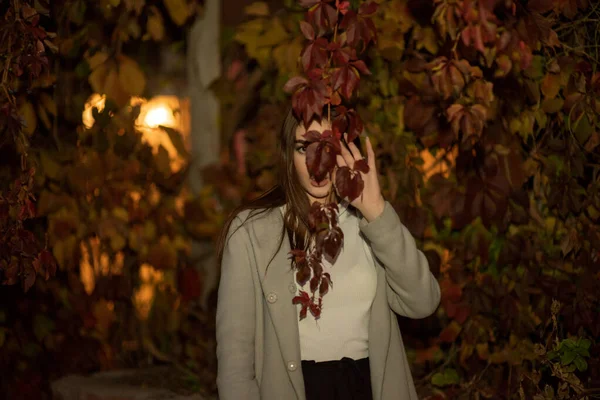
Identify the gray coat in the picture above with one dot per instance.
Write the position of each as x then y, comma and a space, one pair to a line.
258, 345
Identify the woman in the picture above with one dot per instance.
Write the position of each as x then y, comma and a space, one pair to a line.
354, 350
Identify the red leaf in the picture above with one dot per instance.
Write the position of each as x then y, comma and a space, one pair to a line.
308, 3
315, 309
303, 274
348, 184
313, 55
361, 66
367, 9
307, 30
540, 6
310, 100
46, 264
294, 83
342, 6
362, 166
314, 283
348, 121
304, 300
359, 27
346, 79
331, 243
322, 14
320, 159
28, 278
190, 284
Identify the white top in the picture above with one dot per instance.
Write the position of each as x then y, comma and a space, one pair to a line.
343, 328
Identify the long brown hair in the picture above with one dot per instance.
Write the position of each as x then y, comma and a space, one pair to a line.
288, 190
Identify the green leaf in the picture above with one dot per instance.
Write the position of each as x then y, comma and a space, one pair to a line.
448, 377
580, 363
42, 326
567, 357
582, 352
585, 343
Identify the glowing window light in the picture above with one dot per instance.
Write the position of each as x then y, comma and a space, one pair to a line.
159, 115
168, 111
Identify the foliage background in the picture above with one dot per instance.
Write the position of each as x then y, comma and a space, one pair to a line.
484, 115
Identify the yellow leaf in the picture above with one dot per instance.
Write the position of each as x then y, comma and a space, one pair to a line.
43, 116
149, 230
135, 5
155, 26
258, 9
117, 242
483, 351
131, 77
63, 251
30, 119
178, 10
426, 38
121, 213
48, 103
50, 168
114, 89
97, 59
274, 35
286, 56
466, 351
97, 78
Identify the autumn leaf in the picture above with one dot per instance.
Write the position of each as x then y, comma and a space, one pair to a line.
178, 10
131, 77
154, 25
320, 13
257, 9
359, 26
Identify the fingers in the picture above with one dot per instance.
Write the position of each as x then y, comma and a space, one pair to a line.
355, 151
370, 155
340, 161
347, 157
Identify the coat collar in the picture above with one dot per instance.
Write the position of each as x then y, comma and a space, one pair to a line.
344, 210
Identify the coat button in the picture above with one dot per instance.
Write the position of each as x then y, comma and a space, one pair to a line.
272, 297
292, 365
292, 287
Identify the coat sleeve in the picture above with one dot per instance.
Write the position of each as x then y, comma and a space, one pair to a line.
412, 290
235, 320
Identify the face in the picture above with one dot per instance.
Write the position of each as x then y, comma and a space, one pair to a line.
316, 191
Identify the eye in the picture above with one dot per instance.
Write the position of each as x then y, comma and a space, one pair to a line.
301, 149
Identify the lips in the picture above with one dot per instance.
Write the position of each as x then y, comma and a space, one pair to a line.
319, 184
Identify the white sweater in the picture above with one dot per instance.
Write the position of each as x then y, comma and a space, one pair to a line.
343, 328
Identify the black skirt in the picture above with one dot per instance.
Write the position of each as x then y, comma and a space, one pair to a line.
344, 379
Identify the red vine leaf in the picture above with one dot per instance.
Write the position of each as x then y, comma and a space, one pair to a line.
362, 166
348, 121
321, 13
304, 300
348, 183
359, 27
331, 242
315, 55
320, 156
308, 99
345, 79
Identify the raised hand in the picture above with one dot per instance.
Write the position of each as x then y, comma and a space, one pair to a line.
370, 203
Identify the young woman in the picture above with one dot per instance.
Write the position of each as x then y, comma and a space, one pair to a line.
354, 350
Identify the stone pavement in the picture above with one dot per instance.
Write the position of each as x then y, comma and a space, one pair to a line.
119, 385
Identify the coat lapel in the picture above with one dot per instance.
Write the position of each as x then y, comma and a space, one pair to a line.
279, 289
